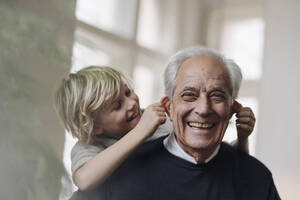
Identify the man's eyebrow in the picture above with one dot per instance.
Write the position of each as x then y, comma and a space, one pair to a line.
218, 90
188, 89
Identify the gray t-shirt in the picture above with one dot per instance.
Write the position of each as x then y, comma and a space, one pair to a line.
81, 153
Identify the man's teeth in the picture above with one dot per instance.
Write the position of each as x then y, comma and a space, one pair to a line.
200, 125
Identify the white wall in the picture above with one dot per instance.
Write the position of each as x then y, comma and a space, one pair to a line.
279, 134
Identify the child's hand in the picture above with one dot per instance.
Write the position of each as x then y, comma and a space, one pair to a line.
245, 121
153, 116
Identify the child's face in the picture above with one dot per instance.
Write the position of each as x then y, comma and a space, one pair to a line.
121, 116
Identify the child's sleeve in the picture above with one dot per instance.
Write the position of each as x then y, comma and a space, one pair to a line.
81, 153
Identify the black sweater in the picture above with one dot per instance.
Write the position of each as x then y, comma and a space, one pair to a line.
151, 172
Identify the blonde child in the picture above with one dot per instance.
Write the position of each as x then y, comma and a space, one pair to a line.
99, 107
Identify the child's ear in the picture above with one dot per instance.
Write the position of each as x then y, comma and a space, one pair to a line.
98, 131
166, 103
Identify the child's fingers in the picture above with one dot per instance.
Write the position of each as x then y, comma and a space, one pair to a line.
161, 114
161, 117
244, 112
155, 105
245, 127
245, 120
160, 108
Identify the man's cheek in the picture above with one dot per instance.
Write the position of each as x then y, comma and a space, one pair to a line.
179, 123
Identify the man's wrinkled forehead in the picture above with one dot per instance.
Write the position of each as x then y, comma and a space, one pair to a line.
200, 70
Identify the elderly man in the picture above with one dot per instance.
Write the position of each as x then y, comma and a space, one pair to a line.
192, 162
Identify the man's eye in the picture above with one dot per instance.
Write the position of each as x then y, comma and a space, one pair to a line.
188, 96
218, 97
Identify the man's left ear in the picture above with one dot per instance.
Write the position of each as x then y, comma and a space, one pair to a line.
165, 102
235, 108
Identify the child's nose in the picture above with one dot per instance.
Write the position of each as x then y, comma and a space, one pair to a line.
131, 104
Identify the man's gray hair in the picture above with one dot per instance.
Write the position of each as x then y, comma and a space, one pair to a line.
176, 60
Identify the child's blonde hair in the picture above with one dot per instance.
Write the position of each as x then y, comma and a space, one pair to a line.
79, 97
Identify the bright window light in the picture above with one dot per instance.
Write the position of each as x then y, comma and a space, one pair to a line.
116, 16
158, 25
242, 40
84, 56
69, 143
143, 81
148, 28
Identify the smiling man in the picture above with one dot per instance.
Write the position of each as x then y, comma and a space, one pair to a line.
201, 106
193, 163
202, 87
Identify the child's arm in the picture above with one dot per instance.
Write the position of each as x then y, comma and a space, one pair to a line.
245, 124
100, 167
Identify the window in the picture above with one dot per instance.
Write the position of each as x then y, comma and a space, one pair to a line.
115, 16
243, 41
143, 81
158, 25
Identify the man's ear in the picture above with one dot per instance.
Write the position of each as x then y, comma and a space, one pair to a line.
166, 103
235, 108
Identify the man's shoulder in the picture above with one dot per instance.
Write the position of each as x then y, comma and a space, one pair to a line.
252, 177
245, 163
149, 148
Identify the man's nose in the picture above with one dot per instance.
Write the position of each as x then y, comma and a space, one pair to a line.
203, 106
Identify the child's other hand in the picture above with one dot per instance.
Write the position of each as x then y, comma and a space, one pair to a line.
153, 116
245, 121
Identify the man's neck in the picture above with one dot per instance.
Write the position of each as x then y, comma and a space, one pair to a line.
195, 157
200, 155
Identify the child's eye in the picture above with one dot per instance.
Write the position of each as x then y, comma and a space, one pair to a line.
127, 92
118, 105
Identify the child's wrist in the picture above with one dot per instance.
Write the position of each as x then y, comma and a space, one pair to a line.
242, 142
242, 139
141, 132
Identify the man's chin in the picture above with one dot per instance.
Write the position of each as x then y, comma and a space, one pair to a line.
201, 146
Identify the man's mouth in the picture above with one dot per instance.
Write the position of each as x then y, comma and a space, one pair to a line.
200, 125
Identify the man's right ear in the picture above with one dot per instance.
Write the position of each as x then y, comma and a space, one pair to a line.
166, 103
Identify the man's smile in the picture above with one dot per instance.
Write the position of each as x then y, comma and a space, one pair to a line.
201, 125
